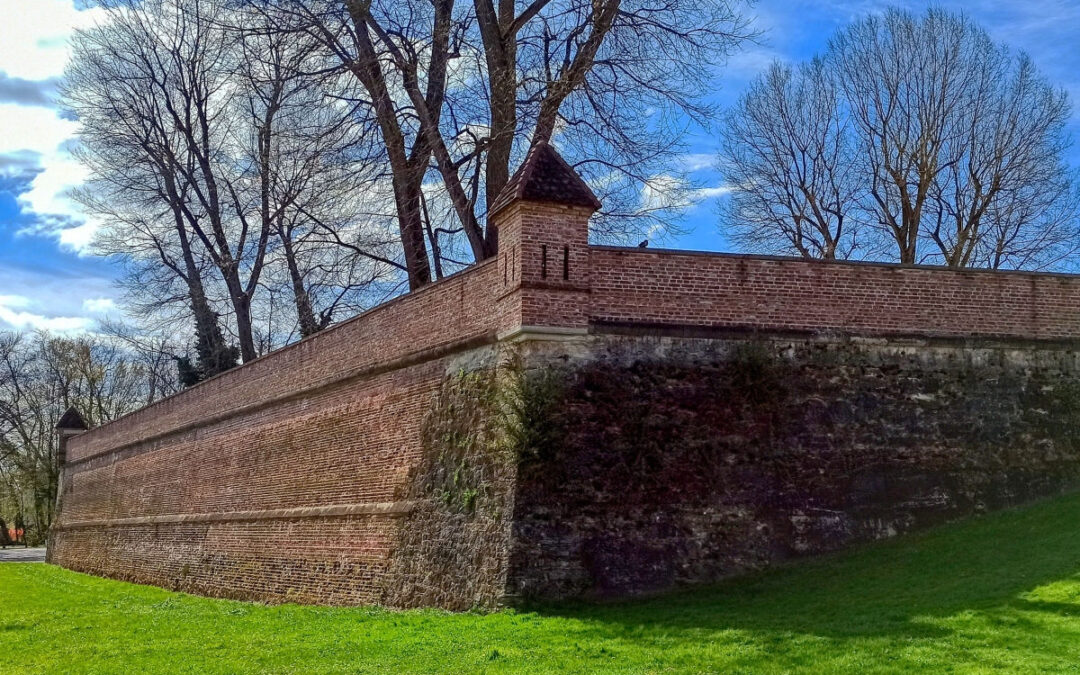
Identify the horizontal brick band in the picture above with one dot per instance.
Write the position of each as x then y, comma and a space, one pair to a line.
338, 379
334, 511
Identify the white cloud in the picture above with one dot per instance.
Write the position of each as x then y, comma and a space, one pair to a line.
35, 46
712, 192
43, 133
14, 313
697, 161
79, 237
32, 128
662, 192
99, 305
35, 33
55, 299
15, 301
669, 192
747, 64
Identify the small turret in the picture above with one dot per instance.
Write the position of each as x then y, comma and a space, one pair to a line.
545, 176
71, 423
542, 218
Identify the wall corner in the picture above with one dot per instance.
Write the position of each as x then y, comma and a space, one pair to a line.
71, 424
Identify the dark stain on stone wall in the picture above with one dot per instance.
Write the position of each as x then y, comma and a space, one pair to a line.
688, 461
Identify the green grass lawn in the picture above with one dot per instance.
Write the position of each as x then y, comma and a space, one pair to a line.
998, 593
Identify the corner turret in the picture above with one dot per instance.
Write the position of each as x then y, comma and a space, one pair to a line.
542, 216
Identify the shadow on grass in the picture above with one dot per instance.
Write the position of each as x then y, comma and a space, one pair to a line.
992, 593
889, 589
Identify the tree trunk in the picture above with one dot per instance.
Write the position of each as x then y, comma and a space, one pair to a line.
407, 186
407, 172
208, 336
500, 51
242, 308
304, 313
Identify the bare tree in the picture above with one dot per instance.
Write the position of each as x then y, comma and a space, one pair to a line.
1008, 201
155, 354
179, 63
310, 159
215, 161
136, 187
949, 145
467, 87
186, 61
40, 377
141, 91
789, 149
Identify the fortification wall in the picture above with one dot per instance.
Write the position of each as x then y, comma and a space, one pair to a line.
695, 415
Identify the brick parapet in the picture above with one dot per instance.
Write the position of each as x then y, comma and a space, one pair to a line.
764, 294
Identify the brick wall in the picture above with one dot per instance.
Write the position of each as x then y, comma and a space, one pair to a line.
788, 294
290, 478
280, 480
457, 309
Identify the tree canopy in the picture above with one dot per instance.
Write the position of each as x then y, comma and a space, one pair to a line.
911, 138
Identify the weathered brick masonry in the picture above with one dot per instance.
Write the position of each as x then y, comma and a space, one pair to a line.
674, 288
277, 480
703, 414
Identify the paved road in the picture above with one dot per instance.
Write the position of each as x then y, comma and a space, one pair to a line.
20, 554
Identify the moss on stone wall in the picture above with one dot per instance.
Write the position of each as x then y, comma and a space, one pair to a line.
465, 447
454, 545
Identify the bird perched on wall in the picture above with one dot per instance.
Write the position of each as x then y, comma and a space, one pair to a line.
644, 244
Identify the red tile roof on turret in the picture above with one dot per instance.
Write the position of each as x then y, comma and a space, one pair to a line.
71, 421
545, 176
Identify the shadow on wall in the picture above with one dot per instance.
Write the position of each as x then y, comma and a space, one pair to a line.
699, 466
990, 572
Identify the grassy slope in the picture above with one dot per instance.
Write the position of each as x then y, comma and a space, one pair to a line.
999, 593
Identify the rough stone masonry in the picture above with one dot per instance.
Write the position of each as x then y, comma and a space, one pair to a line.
574, 420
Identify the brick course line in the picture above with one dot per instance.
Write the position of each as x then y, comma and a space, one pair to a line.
337, 510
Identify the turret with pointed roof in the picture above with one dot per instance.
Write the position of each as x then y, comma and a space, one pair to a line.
71, 424
545, 176
71, 420
542, 217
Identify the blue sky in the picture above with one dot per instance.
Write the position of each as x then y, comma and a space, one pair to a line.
48, 279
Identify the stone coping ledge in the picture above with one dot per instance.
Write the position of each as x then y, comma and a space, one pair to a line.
856, 335
393, 509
